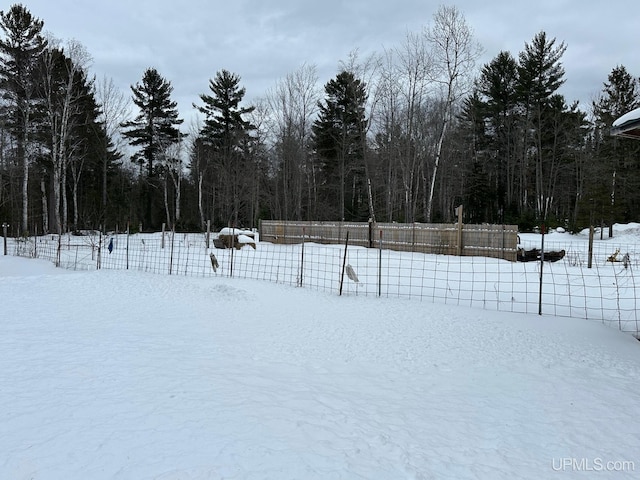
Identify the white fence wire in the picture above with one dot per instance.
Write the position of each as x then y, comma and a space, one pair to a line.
607, 292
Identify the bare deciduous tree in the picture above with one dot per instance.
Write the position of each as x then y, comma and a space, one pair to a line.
415, 65
115, 110
293, 103
454, 52
171, 166
61, 73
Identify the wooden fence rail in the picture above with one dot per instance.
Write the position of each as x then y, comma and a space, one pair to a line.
495, 241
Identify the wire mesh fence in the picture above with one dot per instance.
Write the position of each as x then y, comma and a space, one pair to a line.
607, 292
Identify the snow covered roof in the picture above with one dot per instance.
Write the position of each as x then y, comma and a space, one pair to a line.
627, 125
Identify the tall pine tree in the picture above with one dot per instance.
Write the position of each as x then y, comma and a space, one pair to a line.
20, 52
540, 75
499, 117
339, 142
226, 138
613, 178
154, 130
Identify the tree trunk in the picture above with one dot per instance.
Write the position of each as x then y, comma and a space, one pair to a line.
25, 177
445, 123
177, 182
104, 179
76, 172
45, 206
200, 179
75, 206
166, 202
63, 193
434, 174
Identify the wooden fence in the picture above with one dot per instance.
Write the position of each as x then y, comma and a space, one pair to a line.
495, 241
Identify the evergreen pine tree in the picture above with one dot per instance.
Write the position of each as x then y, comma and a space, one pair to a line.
226, 134
613, 178
500, 113
540, 74
20, 52
154, 130
339, 142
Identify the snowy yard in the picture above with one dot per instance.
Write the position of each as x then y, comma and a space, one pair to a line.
609, 292
129, 375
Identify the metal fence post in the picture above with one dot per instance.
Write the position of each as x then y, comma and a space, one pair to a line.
4, 235
380, 266
344, 262
459, 232
58, 253
232, 228
99, 251
590, 260
541, 268
127, 249
173, 234
302, 259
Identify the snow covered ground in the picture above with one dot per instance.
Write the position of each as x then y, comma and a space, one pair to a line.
624, 235
609, 292
129, 375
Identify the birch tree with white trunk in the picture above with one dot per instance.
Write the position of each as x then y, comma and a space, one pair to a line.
454, 52
61, 72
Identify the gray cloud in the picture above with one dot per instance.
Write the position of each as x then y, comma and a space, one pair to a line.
262, 41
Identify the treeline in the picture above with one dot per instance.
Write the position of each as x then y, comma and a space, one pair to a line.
405, 135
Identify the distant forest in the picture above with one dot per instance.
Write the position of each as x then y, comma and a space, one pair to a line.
405, 135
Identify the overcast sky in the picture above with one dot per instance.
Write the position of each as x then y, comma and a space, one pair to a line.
188, 41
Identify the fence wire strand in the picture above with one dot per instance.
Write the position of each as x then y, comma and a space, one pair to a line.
607, 292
